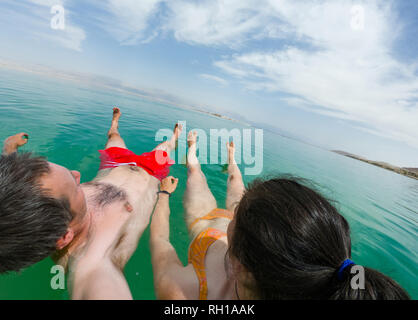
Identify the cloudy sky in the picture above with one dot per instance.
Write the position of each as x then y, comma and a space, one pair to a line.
340, 74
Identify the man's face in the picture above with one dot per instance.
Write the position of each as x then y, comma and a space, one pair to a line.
63, 183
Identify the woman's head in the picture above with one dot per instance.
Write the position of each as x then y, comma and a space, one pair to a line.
290, 242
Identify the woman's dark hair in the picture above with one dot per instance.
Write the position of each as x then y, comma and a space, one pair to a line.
292, 241
30, 221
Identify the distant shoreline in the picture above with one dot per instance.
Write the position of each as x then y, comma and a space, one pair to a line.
113, 84
117, 86
408, 172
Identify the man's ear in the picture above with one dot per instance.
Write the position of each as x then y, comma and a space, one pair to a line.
65, 239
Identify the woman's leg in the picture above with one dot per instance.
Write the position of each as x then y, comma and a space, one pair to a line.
198, 199
235, 185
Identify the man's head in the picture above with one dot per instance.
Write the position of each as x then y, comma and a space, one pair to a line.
40, 205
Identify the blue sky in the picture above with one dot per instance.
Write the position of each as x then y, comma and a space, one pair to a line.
340, 74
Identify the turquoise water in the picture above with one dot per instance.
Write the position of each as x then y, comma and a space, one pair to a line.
67, 122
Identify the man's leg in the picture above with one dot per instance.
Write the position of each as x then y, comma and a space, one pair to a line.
170, 144
143, 207
198, 199
114, 138
235, 185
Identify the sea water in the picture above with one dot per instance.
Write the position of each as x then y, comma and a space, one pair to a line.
68, 121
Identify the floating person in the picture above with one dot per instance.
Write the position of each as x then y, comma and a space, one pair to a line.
91, 229
120, 201
279, 239
204, 277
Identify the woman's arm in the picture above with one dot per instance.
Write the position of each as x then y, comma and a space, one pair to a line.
165, 261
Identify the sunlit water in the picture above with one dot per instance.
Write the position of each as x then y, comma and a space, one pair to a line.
67, 123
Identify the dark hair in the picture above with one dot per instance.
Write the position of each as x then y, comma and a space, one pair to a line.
292, 241
30, 221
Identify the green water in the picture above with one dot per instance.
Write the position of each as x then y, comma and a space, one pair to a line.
67, 122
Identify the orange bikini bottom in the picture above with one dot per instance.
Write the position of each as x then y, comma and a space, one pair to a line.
201, 244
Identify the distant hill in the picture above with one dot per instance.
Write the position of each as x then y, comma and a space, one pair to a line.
409, 172
412, 169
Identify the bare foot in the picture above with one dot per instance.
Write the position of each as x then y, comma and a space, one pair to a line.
191, 154
178, 128
171, 144
191, 138
115, 121
12, 143
116, 114
231, 152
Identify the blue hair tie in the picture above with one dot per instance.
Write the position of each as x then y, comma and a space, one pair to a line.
345, 264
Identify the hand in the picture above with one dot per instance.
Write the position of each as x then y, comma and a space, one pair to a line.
169, 184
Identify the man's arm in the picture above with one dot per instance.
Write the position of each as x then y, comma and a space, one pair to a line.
94, 274
165, 261
105, 282
11, 144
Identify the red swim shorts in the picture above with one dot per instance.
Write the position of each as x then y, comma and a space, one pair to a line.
157, 163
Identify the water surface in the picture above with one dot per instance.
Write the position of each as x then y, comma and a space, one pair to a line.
67, 123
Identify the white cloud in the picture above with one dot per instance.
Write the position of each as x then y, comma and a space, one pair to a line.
338, 71
315, 56
48, 3
34, 17
228, 23
130, 19
208, 22
217, 79
71, 37
321, 61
